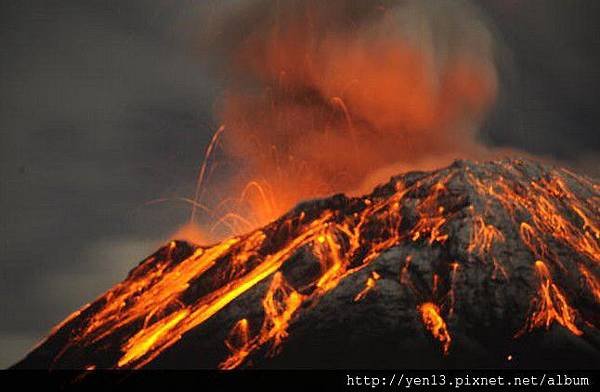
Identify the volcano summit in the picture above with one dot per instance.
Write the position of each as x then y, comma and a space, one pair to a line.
478, 264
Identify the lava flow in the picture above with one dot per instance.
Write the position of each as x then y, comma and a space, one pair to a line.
509, 246
552, 304
436, 324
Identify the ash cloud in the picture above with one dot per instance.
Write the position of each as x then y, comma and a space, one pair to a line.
325, 97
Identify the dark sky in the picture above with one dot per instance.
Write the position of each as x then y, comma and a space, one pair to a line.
106, 105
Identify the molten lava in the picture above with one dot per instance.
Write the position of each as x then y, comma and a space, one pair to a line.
369, 285
436, 324
551, 305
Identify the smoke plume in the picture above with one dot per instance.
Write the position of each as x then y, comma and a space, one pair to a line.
336, 96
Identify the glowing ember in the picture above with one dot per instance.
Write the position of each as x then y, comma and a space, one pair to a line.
436, 324
369, 285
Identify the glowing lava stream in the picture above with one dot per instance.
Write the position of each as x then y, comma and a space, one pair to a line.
551, 305
369, 285
146, 344
280, 304
430, 313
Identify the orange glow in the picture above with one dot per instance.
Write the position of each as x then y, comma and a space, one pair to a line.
452, 293
592, 282
499, 269
483, 237
238, 343
431, 218
550, 305
202, 172
280, 304
142, 342
313, 108
435, 324
193, 233
369, 285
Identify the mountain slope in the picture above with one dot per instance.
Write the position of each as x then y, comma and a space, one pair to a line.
477, 264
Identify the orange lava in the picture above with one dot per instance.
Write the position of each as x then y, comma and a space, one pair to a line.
369, 285
592, 282
551, 305
435, 324
483, 236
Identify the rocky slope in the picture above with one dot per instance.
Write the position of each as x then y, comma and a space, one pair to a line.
477, 264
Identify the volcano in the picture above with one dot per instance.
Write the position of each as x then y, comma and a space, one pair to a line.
492, 264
